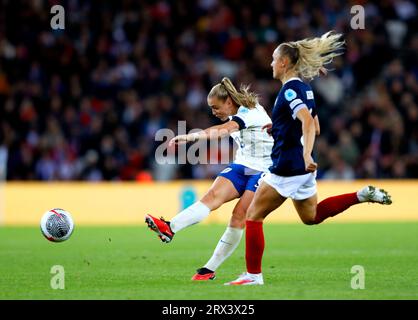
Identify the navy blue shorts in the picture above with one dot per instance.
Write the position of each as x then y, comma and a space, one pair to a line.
242, 177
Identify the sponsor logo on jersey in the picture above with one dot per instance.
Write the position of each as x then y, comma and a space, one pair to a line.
309, 94
290, 94
226, 170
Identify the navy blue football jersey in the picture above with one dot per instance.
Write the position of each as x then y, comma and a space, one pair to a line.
287, 153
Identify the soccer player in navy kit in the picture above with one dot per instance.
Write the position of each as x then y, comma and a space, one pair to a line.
293, 173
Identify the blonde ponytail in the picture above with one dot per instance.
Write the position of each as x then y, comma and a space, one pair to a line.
310, 55
226, 89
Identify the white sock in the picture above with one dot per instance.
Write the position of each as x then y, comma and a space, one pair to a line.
255, 275
226, 245
191, 215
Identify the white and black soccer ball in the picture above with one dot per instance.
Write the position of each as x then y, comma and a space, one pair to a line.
57, 225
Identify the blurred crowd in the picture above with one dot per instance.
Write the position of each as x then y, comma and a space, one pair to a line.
85, 103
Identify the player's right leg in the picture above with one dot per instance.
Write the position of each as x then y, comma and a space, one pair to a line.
229, 240
266, 199
221, 191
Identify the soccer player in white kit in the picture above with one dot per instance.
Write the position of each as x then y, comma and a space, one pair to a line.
247, 119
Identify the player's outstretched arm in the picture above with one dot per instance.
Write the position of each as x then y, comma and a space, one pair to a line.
213, 132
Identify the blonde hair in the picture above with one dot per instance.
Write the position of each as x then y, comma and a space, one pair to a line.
226, 89
310, 55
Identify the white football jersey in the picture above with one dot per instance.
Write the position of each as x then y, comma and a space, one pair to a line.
254, 144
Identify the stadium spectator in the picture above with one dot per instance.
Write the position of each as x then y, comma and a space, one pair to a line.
84, 103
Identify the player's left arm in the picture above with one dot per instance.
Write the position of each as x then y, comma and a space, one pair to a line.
308, 131
218, 131
214, 132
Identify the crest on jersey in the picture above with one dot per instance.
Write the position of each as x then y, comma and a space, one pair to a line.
243, 109
290, 94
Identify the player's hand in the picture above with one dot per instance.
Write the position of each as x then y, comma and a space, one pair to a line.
323, 71
181, 139
268, 127
310, 165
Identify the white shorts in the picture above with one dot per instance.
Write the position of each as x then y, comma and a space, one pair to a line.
296, 187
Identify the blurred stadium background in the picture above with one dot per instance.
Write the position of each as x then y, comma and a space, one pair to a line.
84, 103
80, 107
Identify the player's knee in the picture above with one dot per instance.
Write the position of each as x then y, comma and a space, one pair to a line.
211, 199
250, 215
254, 215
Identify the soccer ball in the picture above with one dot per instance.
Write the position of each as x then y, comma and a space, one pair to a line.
57, 225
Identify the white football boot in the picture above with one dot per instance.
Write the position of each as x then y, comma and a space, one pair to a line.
373, 194
247, 279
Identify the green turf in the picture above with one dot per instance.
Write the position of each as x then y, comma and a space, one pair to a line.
300, 262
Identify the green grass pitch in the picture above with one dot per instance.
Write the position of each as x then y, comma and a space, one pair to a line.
300, 262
